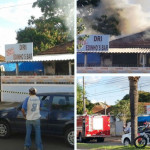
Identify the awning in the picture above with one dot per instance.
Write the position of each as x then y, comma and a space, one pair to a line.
56, 57
121, 50
144, 119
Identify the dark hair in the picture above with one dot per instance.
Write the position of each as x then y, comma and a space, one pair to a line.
32, 91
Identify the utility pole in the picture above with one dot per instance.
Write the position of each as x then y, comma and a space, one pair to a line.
133, 105
0, 84
84, 102
105, 108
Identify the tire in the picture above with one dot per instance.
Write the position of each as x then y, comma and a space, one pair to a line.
126, 142
4, 129
80, 138
100, 139
140, 142
69, 137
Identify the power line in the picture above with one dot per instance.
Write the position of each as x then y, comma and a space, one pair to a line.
15, 5
106, 80
114, 81
113, 91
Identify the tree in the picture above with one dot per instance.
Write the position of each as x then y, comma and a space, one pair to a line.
79, 99
89, 105
48, 30
83, 3
101, 22
122, 110
143, 96
133, 82
107, 25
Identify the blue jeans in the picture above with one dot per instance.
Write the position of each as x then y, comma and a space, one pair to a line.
36, 125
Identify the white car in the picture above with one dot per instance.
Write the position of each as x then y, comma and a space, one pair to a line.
126, 138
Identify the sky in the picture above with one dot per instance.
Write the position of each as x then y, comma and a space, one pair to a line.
109, 89
14, 15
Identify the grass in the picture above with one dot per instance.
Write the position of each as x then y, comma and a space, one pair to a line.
105, 147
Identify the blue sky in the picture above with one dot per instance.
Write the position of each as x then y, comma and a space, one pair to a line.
14, 18
110, 88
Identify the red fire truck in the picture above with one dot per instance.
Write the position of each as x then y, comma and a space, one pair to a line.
93, 127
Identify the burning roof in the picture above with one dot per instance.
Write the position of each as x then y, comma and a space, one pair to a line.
59, 49
138, 40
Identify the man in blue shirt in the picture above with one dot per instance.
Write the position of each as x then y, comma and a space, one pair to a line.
31, 106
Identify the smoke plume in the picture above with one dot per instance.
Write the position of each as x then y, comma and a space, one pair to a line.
133, 15
66, 8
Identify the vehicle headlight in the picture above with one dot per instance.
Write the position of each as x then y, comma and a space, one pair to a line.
4, 114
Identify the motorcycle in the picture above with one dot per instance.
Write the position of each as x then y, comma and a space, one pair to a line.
144, 137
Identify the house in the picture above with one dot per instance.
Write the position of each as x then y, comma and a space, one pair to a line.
126, 54
54, 61
49, 71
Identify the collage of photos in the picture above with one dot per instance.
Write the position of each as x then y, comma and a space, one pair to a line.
74, 74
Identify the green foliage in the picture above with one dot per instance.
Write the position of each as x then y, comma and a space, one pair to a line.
79, 99
89, 105
143, 96
122, 110
103, 24
48, 30
80, 25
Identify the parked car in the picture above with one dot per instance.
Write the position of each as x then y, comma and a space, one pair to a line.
126, 138
57, 117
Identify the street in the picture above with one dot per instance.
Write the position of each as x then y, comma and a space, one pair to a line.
16, 142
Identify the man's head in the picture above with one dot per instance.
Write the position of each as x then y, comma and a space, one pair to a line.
32, 91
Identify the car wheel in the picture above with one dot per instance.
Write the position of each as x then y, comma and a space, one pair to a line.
100, 139
126, 142
69, 137
4, 129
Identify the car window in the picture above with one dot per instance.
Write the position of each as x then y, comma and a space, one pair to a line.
58, 102
45, 100
62, 102
71, 100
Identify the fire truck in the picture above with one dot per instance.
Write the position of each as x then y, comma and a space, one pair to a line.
93, 127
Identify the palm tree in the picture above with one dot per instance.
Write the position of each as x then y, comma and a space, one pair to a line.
134, 106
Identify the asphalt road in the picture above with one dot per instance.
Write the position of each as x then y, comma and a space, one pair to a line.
16, 142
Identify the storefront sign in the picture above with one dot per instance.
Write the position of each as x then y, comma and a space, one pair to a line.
21, 51
93, 43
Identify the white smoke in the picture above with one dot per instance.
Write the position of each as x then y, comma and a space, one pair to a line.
67, 12
132, 15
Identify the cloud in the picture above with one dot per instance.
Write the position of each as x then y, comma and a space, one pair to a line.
92, 79
13, 19
8, 36
19, 15
94, 101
